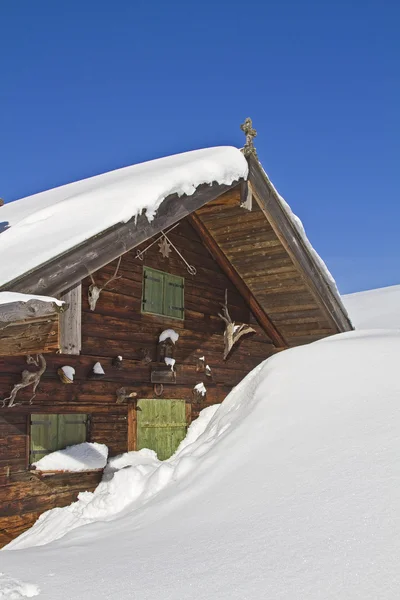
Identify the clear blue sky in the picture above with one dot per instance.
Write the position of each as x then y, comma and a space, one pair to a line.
88, 86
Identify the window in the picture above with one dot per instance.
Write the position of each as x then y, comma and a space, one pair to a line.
54, 432
162, 294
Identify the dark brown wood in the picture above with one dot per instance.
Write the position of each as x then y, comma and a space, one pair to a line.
65, 271
37, 337
295, 246
240, 285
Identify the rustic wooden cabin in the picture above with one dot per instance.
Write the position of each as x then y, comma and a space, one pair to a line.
174, 308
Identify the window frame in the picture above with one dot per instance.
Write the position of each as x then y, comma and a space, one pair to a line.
164, 275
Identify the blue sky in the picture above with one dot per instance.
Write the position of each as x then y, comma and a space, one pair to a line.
90, 86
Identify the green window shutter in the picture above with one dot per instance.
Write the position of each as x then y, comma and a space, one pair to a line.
71, 430
55, 432
43, 436
174, 296
153, 291
161, 426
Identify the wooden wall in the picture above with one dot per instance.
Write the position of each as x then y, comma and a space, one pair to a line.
117, 327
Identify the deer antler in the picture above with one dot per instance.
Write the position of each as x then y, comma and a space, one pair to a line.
95, 291
232, 332
27, 378
225, 312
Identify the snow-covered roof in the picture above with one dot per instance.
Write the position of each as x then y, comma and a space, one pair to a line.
38, 228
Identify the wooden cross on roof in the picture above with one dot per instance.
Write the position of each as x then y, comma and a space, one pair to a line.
250, 133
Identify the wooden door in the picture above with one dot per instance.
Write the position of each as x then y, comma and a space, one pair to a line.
161, 425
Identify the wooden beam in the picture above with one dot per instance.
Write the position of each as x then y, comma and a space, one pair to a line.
15, 312
291, 239
71, 321
223, 262
66, 270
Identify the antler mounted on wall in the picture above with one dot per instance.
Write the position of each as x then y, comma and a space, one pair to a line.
95, 291
233, 332
27, 378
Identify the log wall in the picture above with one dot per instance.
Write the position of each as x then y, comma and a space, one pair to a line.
117, 327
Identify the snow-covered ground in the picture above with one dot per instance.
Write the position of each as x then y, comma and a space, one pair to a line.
375, 309
292, 492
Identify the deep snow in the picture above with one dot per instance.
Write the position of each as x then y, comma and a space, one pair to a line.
375, 309
291, 492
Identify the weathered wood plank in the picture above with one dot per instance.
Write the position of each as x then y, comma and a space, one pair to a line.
232, 274
30, 338
71, 321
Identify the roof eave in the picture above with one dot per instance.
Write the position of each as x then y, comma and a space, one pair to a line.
65, 270
295, 246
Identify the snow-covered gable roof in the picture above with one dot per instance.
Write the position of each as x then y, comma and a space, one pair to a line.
41, 227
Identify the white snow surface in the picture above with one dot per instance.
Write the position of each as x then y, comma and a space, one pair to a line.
13, 589
169, 334
291, 492
80, 457
40, 227
375, 309
10, 297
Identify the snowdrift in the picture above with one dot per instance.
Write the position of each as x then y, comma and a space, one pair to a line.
291, 492
375, 309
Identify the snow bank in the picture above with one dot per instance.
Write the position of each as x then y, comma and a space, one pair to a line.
292, 492
9, 297
121, 486
81, 457
45, 225
375, 309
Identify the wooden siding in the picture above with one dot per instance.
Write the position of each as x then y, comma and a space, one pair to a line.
254, 250
118, 327
37, 336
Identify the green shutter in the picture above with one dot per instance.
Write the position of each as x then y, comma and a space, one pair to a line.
43, 436
71, 430
173, 299
55, 432
161, 426
153, 291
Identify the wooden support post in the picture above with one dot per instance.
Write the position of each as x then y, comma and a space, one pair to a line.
132, 426
71, 321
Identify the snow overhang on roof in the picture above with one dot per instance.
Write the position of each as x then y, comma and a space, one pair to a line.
41, 227
16, 307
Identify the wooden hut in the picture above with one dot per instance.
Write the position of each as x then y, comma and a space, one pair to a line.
174, 311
